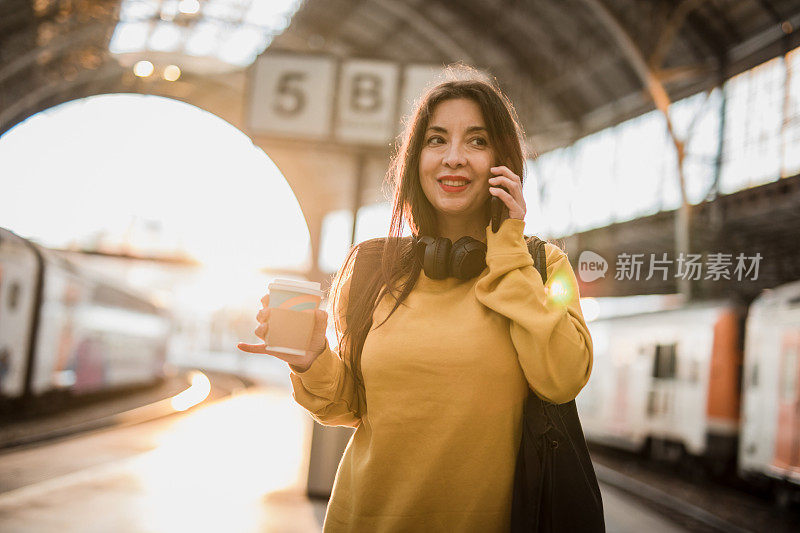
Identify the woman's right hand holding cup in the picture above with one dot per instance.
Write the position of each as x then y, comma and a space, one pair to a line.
299, 363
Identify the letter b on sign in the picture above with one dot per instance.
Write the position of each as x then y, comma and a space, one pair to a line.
365, 93
367, 102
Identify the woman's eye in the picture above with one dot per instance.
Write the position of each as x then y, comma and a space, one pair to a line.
435, 140
480, 141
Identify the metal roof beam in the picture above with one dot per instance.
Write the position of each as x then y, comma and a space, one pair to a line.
548, 15
55, 47
479, 18
437, 35
703, 32
776, 17
671, 29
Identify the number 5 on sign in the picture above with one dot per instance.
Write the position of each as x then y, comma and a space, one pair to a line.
292, 96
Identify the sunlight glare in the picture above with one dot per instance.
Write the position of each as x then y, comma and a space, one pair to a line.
197, 186
558, 290
198, 391
213, 468
590, 309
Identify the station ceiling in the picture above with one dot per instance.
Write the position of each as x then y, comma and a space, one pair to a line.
572, 67
567, 64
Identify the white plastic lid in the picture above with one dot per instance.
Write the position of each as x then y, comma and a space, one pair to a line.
308, 287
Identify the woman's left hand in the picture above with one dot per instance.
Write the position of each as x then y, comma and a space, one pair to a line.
513, 198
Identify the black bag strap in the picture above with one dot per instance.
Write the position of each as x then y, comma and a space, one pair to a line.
549, 484
537, 250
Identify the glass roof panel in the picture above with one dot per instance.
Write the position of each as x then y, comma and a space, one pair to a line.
231, 31
166, 37
129, 37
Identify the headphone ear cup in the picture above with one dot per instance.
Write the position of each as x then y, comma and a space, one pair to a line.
467, 258
421, 248
440, 258
421, 245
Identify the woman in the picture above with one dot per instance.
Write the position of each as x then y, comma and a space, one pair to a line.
436, 389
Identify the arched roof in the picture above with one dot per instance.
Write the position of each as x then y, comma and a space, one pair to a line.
567, 65
572, 67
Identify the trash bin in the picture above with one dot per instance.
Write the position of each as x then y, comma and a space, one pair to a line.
327, 446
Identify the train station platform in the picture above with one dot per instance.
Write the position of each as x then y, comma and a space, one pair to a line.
236, 464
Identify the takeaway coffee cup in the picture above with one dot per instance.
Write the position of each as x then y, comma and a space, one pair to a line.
292, 306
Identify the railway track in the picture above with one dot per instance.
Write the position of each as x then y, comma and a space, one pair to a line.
692, 499
124, 410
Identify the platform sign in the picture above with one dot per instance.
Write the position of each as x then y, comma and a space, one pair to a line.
416, 79
292, 95
367, 102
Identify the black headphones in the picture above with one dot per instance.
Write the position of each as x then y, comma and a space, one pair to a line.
464, 259
441, 259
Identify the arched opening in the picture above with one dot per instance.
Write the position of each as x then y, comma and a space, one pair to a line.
162, 196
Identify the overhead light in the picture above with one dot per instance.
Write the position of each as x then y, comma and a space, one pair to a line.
172, 73
189, 7
143, 69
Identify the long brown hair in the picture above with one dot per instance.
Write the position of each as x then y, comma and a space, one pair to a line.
410, 205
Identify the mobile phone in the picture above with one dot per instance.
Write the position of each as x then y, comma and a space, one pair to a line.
498, 209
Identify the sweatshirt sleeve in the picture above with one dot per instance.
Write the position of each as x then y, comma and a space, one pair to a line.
547, 328
327, 389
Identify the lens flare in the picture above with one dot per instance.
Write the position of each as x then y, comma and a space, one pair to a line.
196, 393
559, 290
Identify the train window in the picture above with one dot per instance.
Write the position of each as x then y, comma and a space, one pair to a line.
651, 402
13, 296
664, 363
109, 296
754, 376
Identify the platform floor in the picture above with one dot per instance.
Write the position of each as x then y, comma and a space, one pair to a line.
236, 465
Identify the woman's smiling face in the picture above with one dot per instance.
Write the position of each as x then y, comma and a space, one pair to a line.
456, 148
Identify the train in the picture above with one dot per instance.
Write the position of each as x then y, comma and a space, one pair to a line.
716, 380
67, 332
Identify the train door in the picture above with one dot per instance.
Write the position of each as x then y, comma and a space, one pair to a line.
621, 416
18, 284
787, 442
661, 398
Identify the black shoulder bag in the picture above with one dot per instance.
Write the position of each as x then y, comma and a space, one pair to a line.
555, 487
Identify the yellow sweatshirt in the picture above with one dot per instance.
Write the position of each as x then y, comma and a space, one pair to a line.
446, 378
